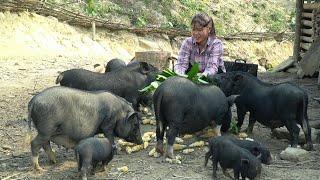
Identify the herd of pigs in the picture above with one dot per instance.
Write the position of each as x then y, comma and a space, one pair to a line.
88, 103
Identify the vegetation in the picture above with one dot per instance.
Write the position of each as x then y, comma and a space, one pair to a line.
233, 127
230, 16
167, 73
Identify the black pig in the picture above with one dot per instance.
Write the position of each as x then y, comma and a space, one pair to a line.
114, 65
231, 156
91, 151
126, 82
257, 149
274, 106
65, 116
186, 107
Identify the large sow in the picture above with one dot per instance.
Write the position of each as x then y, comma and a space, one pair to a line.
186, 107
65, 116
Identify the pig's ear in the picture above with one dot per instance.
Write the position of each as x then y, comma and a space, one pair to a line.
132, 115
144, 67
245, 164
256, 152
131, 118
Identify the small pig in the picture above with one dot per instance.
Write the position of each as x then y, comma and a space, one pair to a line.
231, 156
89, 152
257, 149
114, 64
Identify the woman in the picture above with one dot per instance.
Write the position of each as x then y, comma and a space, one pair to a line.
202, 47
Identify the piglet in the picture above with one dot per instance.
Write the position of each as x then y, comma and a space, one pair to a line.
231, 156
89, 152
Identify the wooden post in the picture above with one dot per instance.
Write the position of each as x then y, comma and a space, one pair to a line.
93, 30
296, 48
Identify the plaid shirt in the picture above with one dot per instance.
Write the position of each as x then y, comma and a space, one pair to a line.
209, 59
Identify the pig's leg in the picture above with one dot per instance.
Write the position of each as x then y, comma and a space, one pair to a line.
105, 164
252, 120
94, 167
36, 144
108, 129
226, 122
171, 135
80, 160
161, 127
214, 164
294, 132
241, 112
86, 162
51, 156
236, 174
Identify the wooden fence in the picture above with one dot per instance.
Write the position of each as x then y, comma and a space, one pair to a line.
79, 19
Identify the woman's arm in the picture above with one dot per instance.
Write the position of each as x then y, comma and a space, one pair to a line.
183, 57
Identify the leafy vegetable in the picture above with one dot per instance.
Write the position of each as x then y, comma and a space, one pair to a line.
233, 127
166, 73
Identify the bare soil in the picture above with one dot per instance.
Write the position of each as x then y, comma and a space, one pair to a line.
21, 78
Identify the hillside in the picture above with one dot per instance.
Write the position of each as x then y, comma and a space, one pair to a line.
27, 34
230, 16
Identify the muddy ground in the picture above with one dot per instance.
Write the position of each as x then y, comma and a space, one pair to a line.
22, 77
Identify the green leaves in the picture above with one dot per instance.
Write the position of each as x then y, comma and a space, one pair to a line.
91, 9
166, 73
233, 127
194, 71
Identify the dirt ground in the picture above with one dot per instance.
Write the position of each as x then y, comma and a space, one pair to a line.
22, 77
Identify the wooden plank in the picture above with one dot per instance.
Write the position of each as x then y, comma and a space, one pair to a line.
296, 48
305, 46
306, 38
307, 31
307, 23
311, 6
307, 15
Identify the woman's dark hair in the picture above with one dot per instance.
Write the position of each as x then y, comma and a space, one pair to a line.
204, 20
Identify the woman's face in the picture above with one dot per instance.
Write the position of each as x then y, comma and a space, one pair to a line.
200, 33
